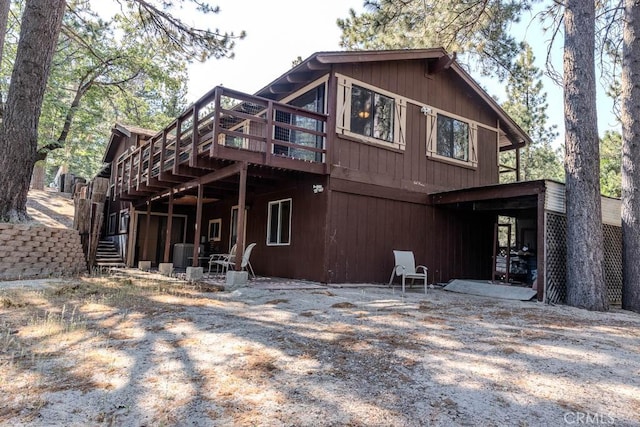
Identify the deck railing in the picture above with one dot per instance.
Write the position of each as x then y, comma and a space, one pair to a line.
231, 125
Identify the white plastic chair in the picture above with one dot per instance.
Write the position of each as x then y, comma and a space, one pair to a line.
406, 268
244, 263
222, 260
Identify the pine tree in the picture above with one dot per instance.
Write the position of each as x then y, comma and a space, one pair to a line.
586, 287
631, 157
527, 104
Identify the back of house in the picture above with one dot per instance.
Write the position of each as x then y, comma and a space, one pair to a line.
328, 169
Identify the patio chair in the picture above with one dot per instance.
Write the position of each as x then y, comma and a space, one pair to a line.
222, 260
244, 264
405, 267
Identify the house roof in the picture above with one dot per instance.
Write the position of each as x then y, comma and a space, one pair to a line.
120, 131
320, 63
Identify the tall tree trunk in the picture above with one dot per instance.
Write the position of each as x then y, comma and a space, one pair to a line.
5, 6
631, 157
585, 274
39, 32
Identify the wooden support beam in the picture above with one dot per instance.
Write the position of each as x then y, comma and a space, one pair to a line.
268, 154
139, 177
178, 149
195, 138
242, 195
540, 249
150, 165
163, 153
301, 77
167, 239
441, 64
213, 151
198, 226
518, 164
145, 248
213, 176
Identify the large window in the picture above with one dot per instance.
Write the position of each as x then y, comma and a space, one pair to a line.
370, 114
312, 100
279, 223
453, 138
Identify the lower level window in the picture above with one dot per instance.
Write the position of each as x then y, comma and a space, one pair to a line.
279, 223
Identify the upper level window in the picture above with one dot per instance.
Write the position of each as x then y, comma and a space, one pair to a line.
312, 100
370, 114
451, 139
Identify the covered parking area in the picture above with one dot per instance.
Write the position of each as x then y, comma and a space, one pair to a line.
533, 214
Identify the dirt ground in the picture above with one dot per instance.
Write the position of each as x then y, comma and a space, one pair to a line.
50, 208
139, 351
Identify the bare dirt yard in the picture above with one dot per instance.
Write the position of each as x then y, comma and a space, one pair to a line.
50, 208
137, 350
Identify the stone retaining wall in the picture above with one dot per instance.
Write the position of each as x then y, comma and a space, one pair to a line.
30, 251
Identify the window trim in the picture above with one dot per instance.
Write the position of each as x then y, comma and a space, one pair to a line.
123, 226
113, 223
279, 202
343, 113
432, 138
218, 236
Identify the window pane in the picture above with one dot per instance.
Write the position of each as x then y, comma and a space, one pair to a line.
383, 118
273, 222
361, 114
445, 132
453, 138
461, 140
285, 215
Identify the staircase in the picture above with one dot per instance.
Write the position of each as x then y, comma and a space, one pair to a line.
107, 255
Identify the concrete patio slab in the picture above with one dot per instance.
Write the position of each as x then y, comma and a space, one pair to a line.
487, 289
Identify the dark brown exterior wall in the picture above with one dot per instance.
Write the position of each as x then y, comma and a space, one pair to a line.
363, 231
303, 258
459, 244
412, 169
365, 228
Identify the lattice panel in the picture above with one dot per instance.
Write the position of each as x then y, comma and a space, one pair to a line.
613, 262
556, 258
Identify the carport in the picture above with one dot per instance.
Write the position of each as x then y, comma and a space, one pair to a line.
539, 210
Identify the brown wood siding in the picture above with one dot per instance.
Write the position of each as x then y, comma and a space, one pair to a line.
459, 244
445, 91
304, 257
363, 232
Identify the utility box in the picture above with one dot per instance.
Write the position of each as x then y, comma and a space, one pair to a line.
181, 254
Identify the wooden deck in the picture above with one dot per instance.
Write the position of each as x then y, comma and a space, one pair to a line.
223, 127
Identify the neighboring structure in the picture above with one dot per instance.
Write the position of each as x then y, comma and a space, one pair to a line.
330, 167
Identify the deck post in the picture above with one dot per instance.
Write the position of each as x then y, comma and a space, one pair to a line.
145, 250
213, 151
150, 163
242, 194
195, 137
268, 148
167, 240
198, 225
517, 165
163, 148
541, 243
